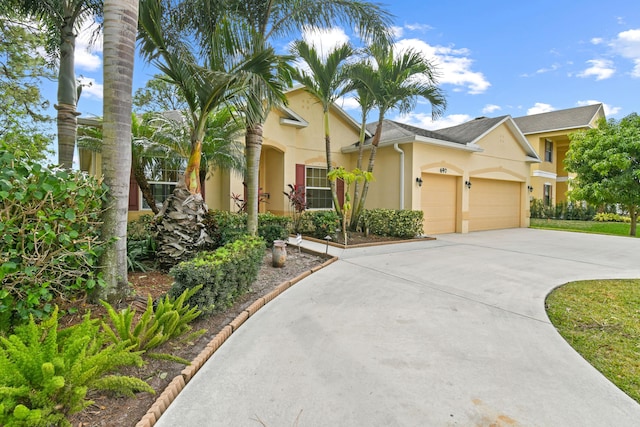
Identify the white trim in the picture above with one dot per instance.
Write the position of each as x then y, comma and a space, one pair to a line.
418, 139
544, 174
562, 179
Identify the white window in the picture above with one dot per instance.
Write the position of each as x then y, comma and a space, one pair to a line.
317, 189
162, 175
547, 195
548, 150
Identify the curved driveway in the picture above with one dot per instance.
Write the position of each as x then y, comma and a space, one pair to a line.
450, 332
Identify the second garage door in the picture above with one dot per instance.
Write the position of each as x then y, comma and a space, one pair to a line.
439, 203
494, 204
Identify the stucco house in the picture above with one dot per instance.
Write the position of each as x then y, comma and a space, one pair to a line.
549, 133
479, 175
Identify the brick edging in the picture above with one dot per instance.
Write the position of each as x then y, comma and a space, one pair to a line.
365, 245
180, 381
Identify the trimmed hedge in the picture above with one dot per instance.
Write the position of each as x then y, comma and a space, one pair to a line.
224, 274
395, 223
225, 227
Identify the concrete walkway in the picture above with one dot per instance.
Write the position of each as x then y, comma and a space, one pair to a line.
450, 332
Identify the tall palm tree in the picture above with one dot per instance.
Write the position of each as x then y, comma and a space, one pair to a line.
120, 28
62, 20
393, 82
326, 81
266, 20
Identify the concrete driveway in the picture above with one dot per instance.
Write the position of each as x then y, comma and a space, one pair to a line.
450, 332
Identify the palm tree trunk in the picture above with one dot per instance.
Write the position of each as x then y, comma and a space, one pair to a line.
356, 184
192, 172
327, 146
357, 212
143, 184
120, 28
253, 148
67, 98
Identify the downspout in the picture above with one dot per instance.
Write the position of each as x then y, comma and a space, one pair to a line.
395, 147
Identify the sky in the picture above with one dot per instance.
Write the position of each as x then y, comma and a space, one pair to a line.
493, 57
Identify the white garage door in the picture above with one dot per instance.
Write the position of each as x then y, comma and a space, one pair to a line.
493, 204
439, 203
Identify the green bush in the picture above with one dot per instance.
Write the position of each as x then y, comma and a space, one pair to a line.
169, 319
45, 374
225, 227
395, 223
141, 228
325, 223
224, 274
273, 227
49, 223
611, 217
563, 210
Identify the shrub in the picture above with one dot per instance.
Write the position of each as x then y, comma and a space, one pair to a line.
395, 223
45, 374
225, 227
273, 227
169, 319
611, 217
50, 221
298, 203
224, 273
563, 210
325, 223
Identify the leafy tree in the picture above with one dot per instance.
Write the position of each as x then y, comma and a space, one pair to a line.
258, 23
326, 80
159, 95
348, 178
606, 160
22, 70
120, 28
61, 20
394, 81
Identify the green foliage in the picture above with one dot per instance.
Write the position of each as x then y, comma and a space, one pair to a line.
596, 227
348, 178
324, 223
169, 319
298, 203
224, 274
224, 227
140, 228
564, 210
611, 217
45, 373
50, 222
395, 223
141, 242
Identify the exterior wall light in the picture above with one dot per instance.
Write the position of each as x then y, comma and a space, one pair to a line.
530, 188
419, 181
467, 184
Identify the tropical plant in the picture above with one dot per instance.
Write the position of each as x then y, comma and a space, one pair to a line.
257, 23
606, 160
392, 81
348, 178
62, 20
298, 203
326, 80
46, 373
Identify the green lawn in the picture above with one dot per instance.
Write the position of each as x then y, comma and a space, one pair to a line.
601, 321
615, 228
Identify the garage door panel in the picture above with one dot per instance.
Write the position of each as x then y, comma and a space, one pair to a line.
439, 203
494, 204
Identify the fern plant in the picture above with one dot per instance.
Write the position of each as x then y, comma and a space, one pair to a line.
45, 374
169, 319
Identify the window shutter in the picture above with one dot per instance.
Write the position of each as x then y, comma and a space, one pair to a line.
134, 193
300, 177
340, 191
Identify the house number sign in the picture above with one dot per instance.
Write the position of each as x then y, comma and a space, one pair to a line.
443, 170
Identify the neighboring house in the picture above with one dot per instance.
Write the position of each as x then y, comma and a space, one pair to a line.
549, 133
475, 176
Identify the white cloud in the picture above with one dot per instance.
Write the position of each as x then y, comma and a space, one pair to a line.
424, 121
491, 108
90, 88
453, 65
627, 44
418, 27
600, 68
88, 52
540, 107
348, 103
596, 40
609, 110
397, 32
325, 40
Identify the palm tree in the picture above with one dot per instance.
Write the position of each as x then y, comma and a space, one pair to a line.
62, 19
262, 21
326, 81
120, 28
393, 82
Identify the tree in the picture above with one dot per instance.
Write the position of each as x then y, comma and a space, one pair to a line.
348, 178
606, 160
393, 81
159, 95
120, 28
326, 81
262, 21
22, 70
62, 19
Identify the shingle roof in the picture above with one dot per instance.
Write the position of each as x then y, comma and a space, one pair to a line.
570, 118
464, 133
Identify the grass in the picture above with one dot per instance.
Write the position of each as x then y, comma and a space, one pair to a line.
614, 228
600, 319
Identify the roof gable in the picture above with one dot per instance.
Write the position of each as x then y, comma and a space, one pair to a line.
570, 118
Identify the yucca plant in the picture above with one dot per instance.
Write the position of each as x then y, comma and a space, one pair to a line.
169, 319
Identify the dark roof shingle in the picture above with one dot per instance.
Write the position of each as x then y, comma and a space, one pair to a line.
570, 118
